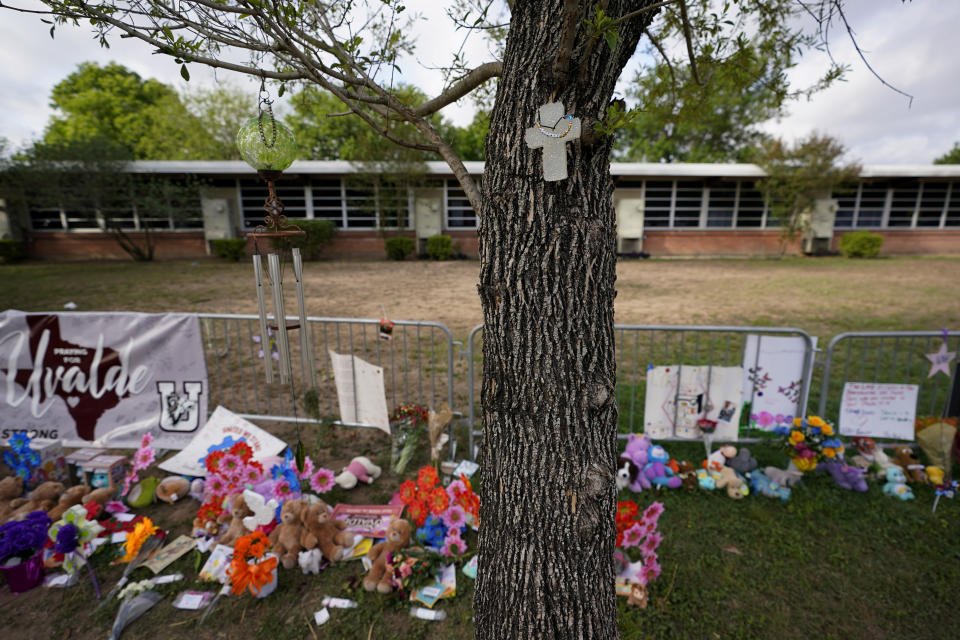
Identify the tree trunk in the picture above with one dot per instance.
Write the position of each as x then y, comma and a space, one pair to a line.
548, 252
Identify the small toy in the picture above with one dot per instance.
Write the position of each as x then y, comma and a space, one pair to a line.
687, 475
626, 474
43, 498
321, 531
904, 457
783, 477
235, 516
398, 537
11, 488
67, 499
934, 475
846, 476
637, 453
360, 468
897, 484
734, 484
309, 561
658, 471
285, 539
707, 479
172, 488
743, 463
719, 457
262, 511
760, 483
196, 489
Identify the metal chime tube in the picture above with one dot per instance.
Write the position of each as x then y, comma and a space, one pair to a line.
262, 308
306, 346
283, 342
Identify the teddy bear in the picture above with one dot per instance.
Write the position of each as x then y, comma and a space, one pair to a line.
637, 453
762, 484
285, 538
844, 475
743, 463
360, 468
43, 498
687, 475
903, 456
172, 488
237, 512
657, 471
398, 537
783, 477
897, 484
11, 488
70, 497
321, 531
733, 483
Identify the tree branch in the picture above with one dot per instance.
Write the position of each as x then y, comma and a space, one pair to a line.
568, 33
649, 7
688, 39
465, 85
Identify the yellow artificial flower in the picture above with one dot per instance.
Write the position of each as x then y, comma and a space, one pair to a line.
826, 429
796, 436
135, 539
797, 422
827, 451
804, 464
816, 421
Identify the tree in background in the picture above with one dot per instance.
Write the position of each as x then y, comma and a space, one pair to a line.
950, 157
217, 113
800, 174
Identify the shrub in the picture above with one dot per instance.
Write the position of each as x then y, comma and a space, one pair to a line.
320, 233
860, 244
439, 247
229, 248
11, 251
399, 248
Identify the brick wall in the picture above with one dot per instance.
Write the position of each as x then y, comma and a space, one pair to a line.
101, 246
702, 243
914, 241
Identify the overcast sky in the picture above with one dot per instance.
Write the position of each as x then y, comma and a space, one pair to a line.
914, 46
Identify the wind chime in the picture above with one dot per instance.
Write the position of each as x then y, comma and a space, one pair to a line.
269, 147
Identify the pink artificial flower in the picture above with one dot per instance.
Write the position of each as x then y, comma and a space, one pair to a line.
322, 480
128, 481
641, 578
143, 458
215, 485
454, 487
652, 542
146, 441
405, 570
307, 468
453, 545
454, 518
633, 535
648, 556
282, 491
115, 506
651, 572
652, 513
234, 479
251, 475
230, 464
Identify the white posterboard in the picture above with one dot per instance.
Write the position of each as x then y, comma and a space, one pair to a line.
360, 391
878, 410
221, 425
672, 390
775, 378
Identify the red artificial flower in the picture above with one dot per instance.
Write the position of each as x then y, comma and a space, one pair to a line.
408, 492
627, 511
417, 511
438, 500
427, 478
213, 461
242, 449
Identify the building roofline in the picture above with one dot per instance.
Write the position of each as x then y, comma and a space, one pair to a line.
618, 169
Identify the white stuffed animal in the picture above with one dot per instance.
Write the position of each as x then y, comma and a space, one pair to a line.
360, 468
309, 561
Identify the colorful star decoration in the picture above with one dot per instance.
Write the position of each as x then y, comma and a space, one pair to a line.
940, 361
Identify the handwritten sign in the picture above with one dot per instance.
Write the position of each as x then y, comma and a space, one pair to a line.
878, 410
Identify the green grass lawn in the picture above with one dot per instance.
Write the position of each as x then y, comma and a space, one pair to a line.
828, 563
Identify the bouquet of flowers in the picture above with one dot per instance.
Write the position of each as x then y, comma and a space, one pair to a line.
407, 424
809, 440
441, 515
20, 540
406, 568
248, 569
638, 532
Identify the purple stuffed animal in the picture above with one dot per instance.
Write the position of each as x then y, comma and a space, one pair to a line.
657, 471
844, 475
637, 453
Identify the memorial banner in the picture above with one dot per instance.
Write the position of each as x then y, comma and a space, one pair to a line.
102, 378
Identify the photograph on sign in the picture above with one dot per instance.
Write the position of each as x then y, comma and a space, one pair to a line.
678, 397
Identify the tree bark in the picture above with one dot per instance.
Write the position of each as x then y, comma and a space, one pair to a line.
548, 266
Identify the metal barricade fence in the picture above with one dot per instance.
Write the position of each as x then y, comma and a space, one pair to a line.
640, 347
888, 357
418, 364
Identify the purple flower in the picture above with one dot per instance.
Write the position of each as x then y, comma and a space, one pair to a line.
67, 539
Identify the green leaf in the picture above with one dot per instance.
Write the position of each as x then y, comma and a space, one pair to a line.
283, 88
611, 37
51, 31
301, 455
184, 73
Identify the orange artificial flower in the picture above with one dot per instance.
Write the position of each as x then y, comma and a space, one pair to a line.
135, 539
427, 479
438, 500
408, 492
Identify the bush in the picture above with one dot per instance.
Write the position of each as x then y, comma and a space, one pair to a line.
12, 251
399, 248
229, 248
860, 244
439, 247
320, 233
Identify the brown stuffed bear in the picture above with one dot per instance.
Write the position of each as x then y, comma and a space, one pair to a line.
285, 539
398, 537
238, 511
43, 498
103, 495
68, 498
172, 488
11, 488
904, 457
321, 530
687, 475
730, 481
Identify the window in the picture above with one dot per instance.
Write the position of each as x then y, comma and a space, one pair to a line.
846, 207
254, 192
721, 205
327, 200
460, 215
687, 204
873, 199
658, 198
953, 205
932, 201
903, 202
750, 207
361, 204
46, 220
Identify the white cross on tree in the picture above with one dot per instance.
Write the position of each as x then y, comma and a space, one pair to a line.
554, 130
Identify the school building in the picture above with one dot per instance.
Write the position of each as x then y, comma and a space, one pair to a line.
683, 210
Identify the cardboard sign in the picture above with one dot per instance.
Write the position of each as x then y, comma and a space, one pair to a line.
360, 391
677, 397
773, 370
367, 520
878, 410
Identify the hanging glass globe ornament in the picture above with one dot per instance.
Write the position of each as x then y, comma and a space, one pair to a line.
266, 144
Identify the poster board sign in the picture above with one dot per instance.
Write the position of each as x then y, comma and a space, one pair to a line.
367, 520
360, 391
104, 379
692, 393
878, 410
773, 374
222, 424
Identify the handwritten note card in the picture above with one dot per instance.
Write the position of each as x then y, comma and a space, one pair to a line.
878, 410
